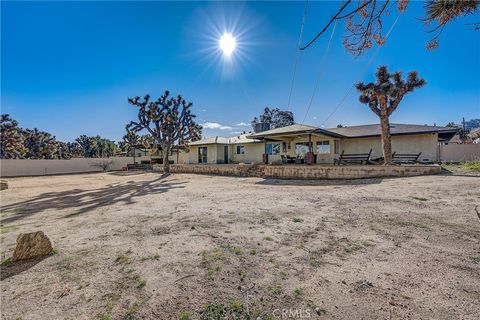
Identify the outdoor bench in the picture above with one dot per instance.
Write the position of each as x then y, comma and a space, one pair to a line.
353, 158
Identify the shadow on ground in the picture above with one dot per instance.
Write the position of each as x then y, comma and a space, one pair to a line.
15, 268
460, 173
87, 200
335, 182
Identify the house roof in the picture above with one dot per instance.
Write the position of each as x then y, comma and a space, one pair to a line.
240, 139
210, 140
243, 138
371, 130
293, 129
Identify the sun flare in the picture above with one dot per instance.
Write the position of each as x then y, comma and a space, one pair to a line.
227, 44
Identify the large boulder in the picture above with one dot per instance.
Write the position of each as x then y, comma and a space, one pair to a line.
32, 245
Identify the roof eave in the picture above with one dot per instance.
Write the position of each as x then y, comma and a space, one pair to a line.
402, 133
322, 131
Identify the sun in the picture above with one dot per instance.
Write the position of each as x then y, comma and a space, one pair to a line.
227, 44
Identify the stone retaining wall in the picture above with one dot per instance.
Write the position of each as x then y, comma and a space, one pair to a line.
239, 170
305, 172
347, 172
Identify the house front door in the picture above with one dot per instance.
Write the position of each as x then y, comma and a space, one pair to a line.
225, 154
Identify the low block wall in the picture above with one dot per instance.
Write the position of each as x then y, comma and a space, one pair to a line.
239, 170
305, 172
41, 167
459, 152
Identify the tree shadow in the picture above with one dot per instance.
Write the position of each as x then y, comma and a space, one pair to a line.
323, 182
86, 200
17, 267
459, 173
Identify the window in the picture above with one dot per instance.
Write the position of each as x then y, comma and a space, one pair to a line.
284, 147
336, 146
273, 148
240, 149
323, 147
202, 155
301, 148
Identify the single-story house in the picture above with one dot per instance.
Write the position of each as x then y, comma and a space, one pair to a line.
237, 149
326, 144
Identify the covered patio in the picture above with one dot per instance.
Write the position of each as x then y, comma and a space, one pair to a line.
299, 144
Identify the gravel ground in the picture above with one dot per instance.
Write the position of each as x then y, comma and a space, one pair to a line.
144, 246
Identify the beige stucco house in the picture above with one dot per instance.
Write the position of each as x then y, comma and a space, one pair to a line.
293, 142
237, 149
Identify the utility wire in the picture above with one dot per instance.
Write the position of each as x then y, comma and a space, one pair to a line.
322, 63
298, 54
363, 72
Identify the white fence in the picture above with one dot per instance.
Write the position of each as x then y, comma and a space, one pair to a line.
459, 152
20, 167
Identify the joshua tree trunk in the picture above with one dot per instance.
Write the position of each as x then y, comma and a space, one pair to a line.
166, 163
383, 98
133, 150
386, 137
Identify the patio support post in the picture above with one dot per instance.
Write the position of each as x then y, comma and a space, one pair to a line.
265, 155
310, 152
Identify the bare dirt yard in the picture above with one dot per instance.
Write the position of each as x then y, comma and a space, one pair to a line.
143, 246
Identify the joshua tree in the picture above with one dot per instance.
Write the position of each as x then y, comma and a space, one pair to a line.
11, 138
94, 147
131, 140
169, 120
40, 144
148, 143
364, 20
102, 148
75, 149
62, 151
383, 98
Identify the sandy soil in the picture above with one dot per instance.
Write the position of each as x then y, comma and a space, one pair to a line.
143, 246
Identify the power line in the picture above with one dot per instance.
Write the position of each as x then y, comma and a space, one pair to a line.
364, 70
324, 58
334, 18
298, 54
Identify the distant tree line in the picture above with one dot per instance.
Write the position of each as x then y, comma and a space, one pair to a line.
20, 143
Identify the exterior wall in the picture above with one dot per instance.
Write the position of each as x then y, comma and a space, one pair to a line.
221, 153
313, 172
27, 167
183, 157
459, 152
424, 143
427, 144
253, 153
214, 153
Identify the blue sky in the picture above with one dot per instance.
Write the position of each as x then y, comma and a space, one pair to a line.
69, 67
